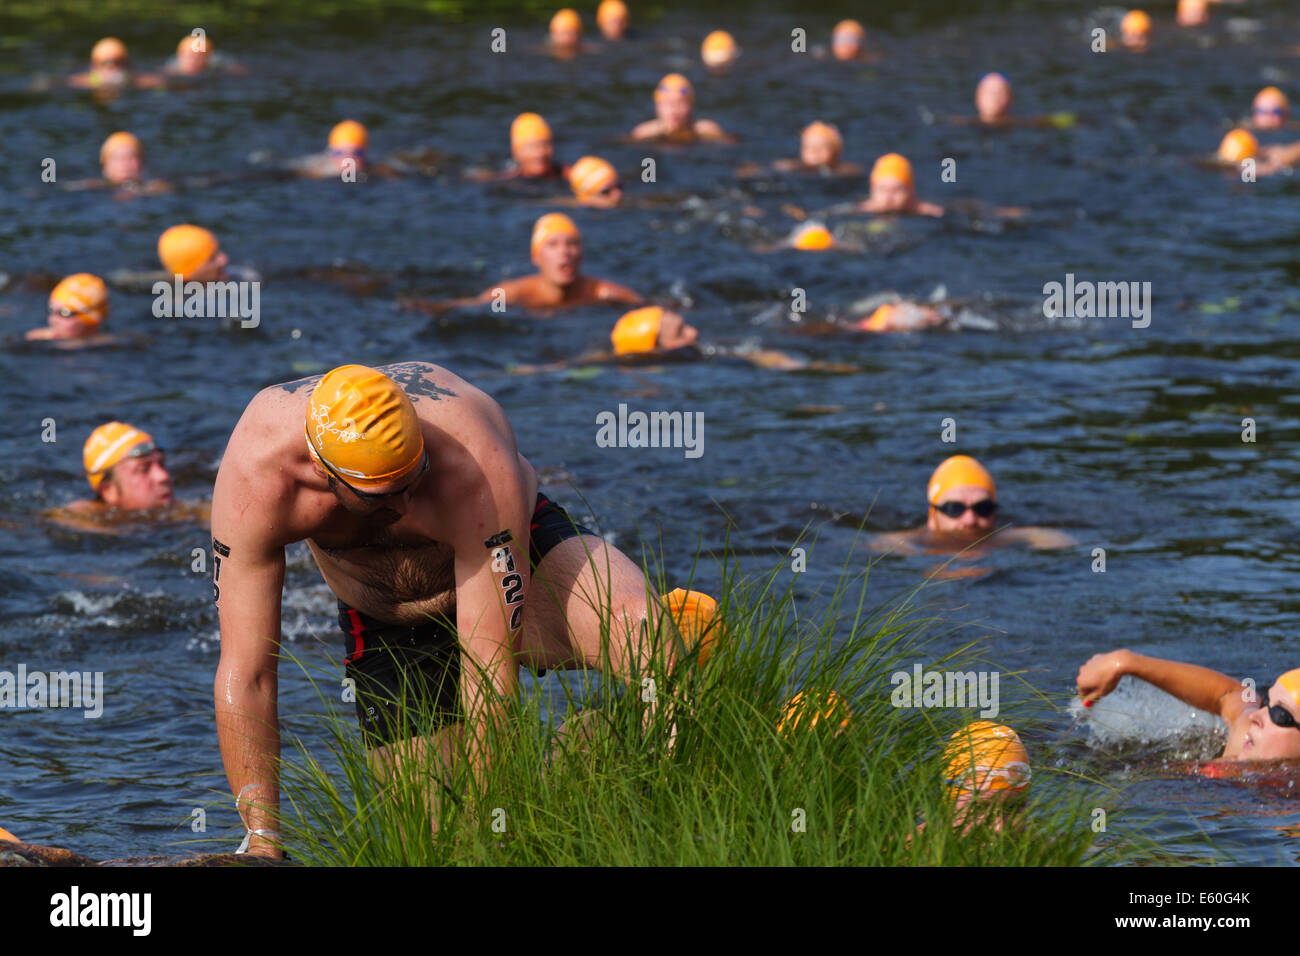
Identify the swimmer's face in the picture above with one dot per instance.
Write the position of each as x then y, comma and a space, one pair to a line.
123, 164
564, 38
214, 270
136, 484
846, 45
1193, 13
969, 525
675, 110
614, 26
191, 61
674, 333
993, 98
1265, 740
818, 150
1135, 41
536, 158
606, 198
892, 195
1269, 112
69, 326
559, 257
349, 158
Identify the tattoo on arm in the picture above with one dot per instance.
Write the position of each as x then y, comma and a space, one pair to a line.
512, 584
413, 377
219, 551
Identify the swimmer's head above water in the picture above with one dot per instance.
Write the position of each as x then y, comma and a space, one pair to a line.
812, 237
1238, 145
532, 146
612, 19
566, 30
595, 182
718, 51
820, 144
364, 438
556, 248
192, 54
847, 39
109, 60
349, 140
893, 188
993, 97
78, 307
1270, 108
651, 329
1135, 30
192, 252
963, 499
675, 103
986, 764
1193, 13
125, 468
122, 158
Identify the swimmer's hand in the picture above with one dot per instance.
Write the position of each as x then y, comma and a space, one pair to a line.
1099, 675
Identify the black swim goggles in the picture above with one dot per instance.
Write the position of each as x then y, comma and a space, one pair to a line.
955, 509
1277, 713
370, 495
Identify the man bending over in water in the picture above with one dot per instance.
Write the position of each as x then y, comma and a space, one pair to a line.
1262, 724
451, 566
557, 253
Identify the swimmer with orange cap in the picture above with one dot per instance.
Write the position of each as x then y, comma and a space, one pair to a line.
193, 253
127, 472
893, 189
78, 309
901, 316
195, 58
595, 182
612, 18
1270, 109
848, 40
346, 157
110, 70
121, 158
565, 33
987, 771
719, 51
675, 120
963, 507
556, 249
1135, 31
532, 150
451, 565
821, 149
1263, 722
1193, 13
1239, 147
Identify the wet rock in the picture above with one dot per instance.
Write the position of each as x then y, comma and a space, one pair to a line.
29, 854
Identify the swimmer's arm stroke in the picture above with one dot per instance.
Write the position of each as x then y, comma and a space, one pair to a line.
492, 578
248, 579
1201, 687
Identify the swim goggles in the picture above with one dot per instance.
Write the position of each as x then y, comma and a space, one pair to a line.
955, 509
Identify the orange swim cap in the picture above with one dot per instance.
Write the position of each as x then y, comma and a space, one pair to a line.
1238, 145
611, 10
361, 423
828, 706
674, 84
528, 128
120, 138
1290, 682
84, 294
986, 756
6, 835
892, 166
566, 21
637, 331
879, 321
693, 613
718, 48
813, 237
848, 28
107, 445
552, 224
109, 48
184, 248
820, 130
590, 175
349, 135
1135, 23
957, 471
1271, 96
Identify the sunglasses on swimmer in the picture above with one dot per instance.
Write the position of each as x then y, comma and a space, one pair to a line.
955, 509
370, 495
1276, 712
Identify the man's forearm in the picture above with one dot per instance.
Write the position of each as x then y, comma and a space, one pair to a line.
248, 733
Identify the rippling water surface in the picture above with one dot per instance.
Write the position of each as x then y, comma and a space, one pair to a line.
1130, 439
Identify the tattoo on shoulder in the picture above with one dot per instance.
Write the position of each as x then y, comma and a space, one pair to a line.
412, 377
293, 386
498, 539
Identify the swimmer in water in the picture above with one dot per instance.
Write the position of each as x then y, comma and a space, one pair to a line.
719, 51
110, 70
1193, 13
595, 182
77, 310
345, 157
988, 774
612, 19
1240, 146
893, 189
121, 161
532, 150
963, 505
452, 568
654, 334
1270, 109
820, 152
901, 316
848, 40
556, 249
565, 33
675, 120
193, 253
1262, 724
195, 57
993, 98
1135, 31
